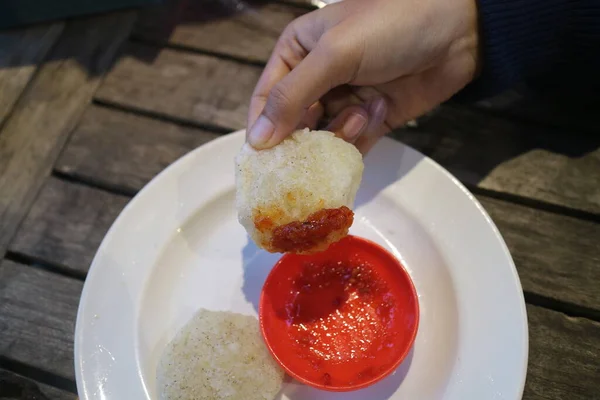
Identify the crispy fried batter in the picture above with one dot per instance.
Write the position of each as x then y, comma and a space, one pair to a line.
296, 197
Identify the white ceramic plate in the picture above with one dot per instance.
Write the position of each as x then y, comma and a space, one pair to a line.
178, 246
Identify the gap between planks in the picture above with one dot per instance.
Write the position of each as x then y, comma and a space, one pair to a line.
39, 375
29, 388
31, 139
565, 307
534, 203
504, 196
137, 148
562, 354
134, 38
44, 265
73, 177
495, 154
37, 320
160, 116
189, 28
23, 50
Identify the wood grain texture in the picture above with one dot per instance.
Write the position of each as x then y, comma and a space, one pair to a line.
67, 223
564, 357
556, 256
13, 386
49, 109
20, 52
563, 351
128, 149
571, 107
498, 154
37, 317
244, 29
191, 87
553, 166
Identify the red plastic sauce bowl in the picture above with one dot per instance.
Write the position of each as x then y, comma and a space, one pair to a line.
339, 320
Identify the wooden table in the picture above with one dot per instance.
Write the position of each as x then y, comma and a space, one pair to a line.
91, 109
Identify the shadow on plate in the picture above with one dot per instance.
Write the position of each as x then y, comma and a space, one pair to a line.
382, 390
378, 176
257, 264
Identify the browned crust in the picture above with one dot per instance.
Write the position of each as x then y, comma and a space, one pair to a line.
315, 233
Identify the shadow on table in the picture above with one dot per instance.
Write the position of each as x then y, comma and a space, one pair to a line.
473, 140
157, 23
16, 387
92, 39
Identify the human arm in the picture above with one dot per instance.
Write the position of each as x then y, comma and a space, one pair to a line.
374, 65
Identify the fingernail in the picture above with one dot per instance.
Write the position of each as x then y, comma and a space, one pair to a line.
261, 132
353, 125
378, 109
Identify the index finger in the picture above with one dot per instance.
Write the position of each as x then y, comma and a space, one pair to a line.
296, 41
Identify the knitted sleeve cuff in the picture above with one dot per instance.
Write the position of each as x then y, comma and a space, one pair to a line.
523, 39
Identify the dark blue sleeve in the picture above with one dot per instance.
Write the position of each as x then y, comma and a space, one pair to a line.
541, 41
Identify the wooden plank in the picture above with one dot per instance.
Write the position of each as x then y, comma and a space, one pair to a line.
129, 149
66, 224
39, 308
191, 87
553, 166
557, 257
20, 52
13, 386
49, 109
572, 107
37, 317
247, 30
564, 357
493, 153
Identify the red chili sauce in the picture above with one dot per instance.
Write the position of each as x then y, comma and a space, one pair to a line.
339, 319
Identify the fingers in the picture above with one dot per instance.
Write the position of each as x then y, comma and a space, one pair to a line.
296, 41
288, 53
362, 125
350, 123
286, 103
312, 117
339, 99
377, 128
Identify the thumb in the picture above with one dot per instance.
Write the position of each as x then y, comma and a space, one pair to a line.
332, 62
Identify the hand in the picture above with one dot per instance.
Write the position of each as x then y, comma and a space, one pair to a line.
372, 64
